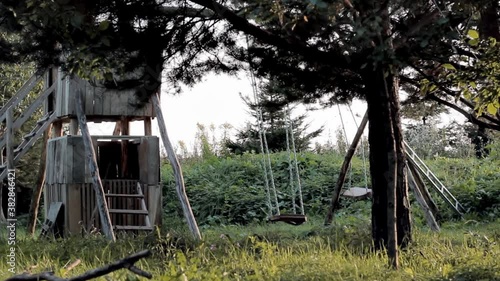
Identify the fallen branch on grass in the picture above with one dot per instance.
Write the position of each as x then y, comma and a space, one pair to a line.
127, 263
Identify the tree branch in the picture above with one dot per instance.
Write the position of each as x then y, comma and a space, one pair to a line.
471, 117
186, 11
127, 263
468, 115
337, 59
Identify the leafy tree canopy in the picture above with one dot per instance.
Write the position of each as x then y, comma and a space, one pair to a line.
321, 47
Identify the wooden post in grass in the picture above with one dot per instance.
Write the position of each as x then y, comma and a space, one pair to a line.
180, 187
429, 216
102, 206
343, 170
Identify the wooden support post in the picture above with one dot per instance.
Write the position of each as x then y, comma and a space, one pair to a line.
124, 124
147, 126
73, 127
424, 192
429, 217
102, 206
180, 188
37, 193
57, 129
9, 138
116, 131
343, 170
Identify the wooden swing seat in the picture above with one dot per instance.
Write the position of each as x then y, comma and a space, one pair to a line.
357, 193
293, 219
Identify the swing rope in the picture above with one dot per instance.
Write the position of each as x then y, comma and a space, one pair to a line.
290, 168
299, 185
268, 171
362, 150
347, 144
293, 219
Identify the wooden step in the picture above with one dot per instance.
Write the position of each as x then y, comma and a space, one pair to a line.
133, 227
43, 119
17, 149
124, 195
128, 212
30, 135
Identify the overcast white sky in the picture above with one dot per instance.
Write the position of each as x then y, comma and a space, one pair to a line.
217, 101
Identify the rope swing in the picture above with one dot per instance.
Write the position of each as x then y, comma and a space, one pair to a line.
274, 211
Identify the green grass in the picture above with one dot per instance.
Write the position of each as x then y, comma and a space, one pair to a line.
465, 250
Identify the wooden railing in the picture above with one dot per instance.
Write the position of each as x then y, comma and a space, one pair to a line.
13, 153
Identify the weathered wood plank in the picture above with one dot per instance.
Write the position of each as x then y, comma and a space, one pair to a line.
75, 211
148, 131
107, 227
78, 168
153, 161
73, 127
108, 103
429, 217
89, 100
48, 163
124, 123
9, 133
57, 129
180, 187
98, 100
59, 93
143, 160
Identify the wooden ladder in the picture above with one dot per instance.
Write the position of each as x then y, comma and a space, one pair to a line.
125, 212
28, 141
436, 184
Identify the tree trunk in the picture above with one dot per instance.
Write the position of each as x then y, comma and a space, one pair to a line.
391, 225
37, 193
383, 163
403, 202
387, 164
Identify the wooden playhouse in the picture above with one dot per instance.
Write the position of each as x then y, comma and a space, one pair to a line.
129, 166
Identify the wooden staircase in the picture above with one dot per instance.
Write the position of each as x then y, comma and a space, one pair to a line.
135, 195
124, 212
41, 125
436, 184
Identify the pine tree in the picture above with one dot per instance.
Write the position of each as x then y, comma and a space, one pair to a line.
275, 123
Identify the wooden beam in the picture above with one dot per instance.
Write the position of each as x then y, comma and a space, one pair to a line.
429, 216
180, 187
9, 132
106, 225
343, 170
124, 124
147, 127
37, 193
73, 127
117, 129
424, 192
57, 129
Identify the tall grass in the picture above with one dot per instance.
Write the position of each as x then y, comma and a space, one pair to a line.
462, 251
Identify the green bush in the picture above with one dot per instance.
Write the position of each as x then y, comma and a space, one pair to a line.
232, 190
475, 183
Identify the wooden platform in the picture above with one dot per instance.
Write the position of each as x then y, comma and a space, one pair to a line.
357, 193
293, 219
